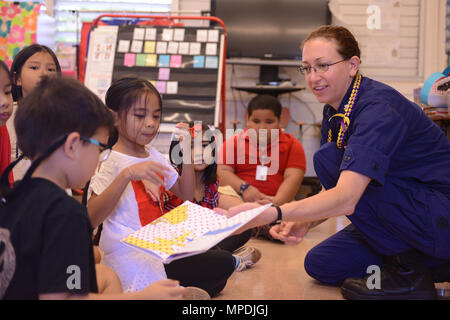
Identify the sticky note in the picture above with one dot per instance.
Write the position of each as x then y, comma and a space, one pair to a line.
175, 61
172, 87
172, 47
167, 34
178, 35
150, 60
140, 59
124, 46
164, 74
211, 49
199, 61
129, 59
150, 34
153, 82
211, 62
149, 46
136, 46
138, 33
194, 48
202, 35
161, 86
164, 61
213, 35
161, 47
183, 48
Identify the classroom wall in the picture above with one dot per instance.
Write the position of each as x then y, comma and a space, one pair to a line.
422, 52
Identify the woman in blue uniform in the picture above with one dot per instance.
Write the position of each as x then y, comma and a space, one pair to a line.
386, 166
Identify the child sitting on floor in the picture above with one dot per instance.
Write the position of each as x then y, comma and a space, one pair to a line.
128, 190
46, 234
206, 191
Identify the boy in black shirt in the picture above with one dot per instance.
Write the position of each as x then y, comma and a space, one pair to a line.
45, 235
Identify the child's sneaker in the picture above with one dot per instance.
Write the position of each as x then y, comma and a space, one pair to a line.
248, 256
194, 293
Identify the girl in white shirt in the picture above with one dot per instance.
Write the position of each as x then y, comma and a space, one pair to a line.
125, 193
128, 190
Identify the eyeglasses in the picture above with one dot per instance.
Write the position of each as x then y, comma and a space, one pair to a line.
318, 68
105, 150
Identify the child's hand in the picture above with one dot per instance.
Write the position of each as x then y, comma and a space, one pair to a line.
153, 190
252, 194
152, 171
182, 126
164, 290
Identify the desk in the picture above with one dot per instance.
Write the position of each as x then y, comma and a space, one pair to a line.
265, 89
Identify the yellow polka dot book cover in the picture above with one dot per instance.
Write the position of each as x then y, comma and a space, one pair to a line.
187, 230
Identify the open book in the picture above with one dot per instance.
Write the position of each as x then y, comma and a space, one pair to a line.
187, 230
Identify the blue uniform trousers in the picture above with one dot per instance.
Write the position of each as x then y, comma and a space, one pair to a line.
388, 219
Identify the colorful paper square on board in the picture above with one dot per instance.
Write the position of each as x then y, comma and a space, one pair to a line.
164, 61
150, 60
199, 61
161, 86
129, 60
140, 59
164, 74
149, 46
175, 61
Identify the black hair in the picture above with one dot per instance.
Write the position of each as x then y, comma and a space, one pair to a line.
19, 61
56, 107
265, 102
126, 92
5, 67
210, 173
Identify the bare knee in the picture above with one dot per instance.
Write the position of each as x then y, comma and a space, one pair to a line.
107, 280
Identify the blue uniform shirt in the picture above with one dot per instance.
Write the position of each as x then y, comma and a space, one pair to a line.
390, 137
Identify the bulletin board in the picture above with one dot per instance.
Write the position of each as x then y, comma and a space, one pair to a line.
184, 63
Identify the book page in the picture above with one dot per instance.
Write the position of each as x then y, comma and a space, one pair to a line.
187, 229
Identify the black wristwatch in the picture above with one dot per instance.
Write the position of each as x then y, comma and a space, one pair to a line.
279, 216
244, 186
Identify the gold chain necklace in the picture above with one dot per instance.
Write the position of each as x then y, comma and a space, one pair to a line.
345, 122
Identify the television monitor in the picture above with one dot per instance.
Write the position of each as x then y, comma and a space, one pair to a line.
269, 32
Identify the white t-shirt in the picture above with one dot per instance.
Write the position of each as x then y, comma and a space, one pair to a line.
135, 269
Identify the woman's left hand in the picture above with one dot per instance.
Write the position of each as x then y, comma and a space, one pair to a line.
290, 232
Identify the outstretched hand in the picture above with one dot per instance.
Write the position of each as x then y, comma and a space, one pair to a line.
290, 232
